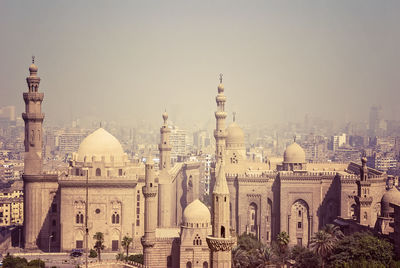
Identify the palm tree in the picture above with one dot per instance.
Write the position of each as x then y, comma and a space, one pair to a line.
126, 241
334, 231
239, 258
264, 256
322, 243
99, 245
283, 240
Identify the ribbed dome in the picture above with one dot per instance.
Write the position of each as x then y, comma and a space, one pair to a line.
235, 135
391, 196
294, 154
196, 212
100, 143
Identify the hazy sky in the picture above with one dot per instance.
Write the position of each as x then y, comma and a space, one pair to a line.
128, 60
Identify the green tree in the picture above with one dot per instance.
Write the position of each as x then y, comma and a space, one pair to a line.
126, 242
334, 231
283, 240
304, 258
240, 258
138, 258
322, 244
37, 263
10, 261
362, 247
264, 257
249, 242
92, 253
99, 244
120, 256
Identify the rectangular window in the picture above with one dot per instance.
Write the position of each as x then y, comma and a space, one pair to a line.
54, 208
299, 225
79, 243
137, 222
299, 242
138, 197
120, 172
267, 235
114, 245
137, 210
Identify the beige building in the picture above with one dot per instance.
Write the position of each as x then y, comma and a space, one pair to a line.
161, 208
12, 205
108, 191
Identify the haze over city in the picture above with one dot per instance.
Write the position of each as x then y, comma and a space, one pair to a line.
127, 61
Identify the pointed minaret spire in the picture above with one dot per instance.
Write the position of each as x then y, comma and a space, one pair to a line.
33, 118
165, 147
234, 116
220, 115
221, 241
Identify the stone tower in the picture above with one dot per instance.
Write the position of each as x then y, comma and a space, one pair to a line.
150, 220
165, 185
40, 190
164, 146
220, 131
221, 242
364, 198
33, 118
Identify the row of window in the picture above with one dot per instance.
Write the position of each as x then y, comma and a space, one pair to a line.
115, 218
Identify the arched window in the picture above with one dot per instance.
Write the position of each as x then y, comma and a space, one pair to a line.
223, 231
81, 218
117, 218
98, 172
205, 264
77, 218
113, 219
188, 264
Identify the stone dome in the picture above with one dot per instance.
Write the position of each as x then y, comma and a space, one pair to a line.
101, 144
235, 135
391, 196
196, 212
294, 154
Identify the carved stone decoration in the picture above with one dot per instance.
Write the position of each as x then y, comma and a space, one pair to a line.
220, 244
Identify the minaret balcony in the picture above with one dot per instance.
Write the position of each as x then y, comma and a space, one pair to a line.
147, 242
33, 116
220, 244
220, 115
33, 96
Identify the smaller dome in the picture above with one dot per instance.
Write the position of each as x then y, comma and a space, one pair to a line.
235, 135
33, 68
294, 154
391, 196
196, 212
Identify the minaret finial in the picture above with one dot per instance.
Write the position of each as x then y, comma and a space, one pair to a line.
100, 124
234, 116
220, 77
294, 138
33, 59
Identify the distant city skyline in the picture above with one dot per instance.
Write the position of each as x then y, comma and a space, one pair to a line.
128, 61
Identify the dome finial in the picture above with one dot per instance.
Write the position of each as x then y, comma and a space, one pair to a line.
234, 116
165, 116
220, 77
33, 59
294, 138
33, 68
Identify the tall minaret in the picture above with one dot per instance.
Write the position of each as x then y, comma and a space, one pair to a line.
40, 203
364, 197
221, 241
165, 147
220, 115
165, 187
33, 118
150, 211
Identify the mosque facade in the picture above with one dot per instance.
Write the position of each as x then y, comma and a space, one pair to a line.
103, 191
